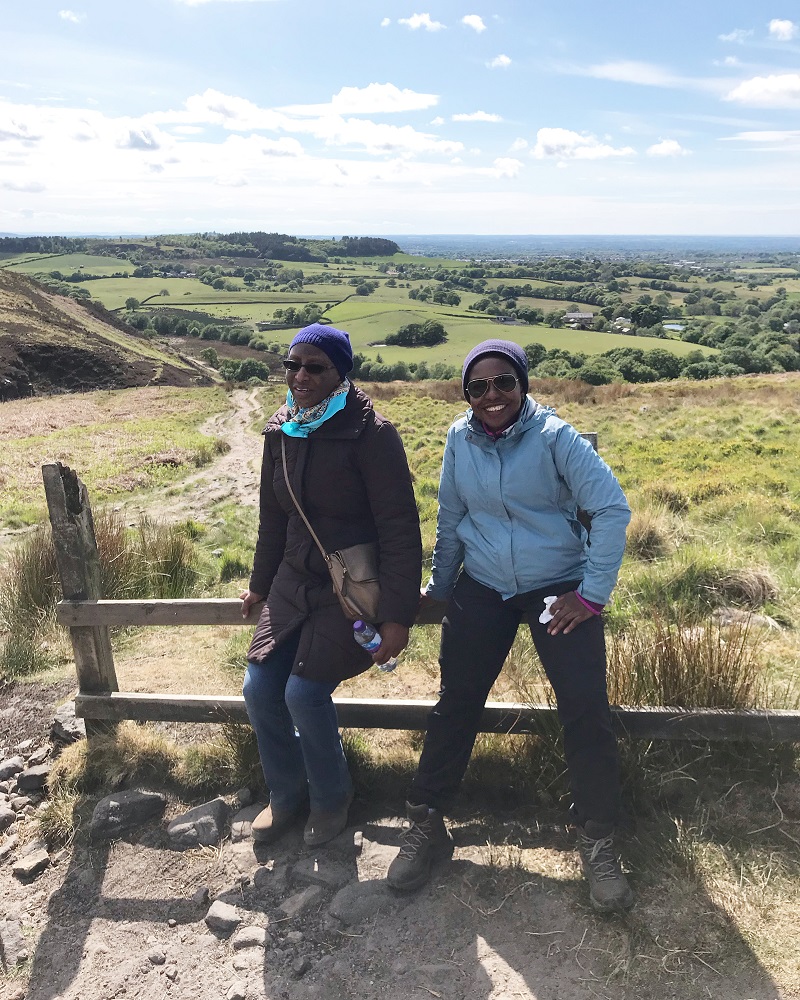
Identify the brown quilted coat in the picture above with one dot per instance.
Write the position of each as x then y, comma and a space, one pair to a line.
352, 479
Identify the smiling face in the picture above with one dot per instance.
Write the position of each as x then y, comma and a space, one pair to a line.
308, 390
496, 409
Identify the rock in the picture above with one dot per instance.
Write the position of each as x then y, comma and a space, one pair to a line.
7, 816
243, 856
301, 902
217, 553
237, 991
244, 797
31, 865
4, 787
242, 822
736, 616
172, 922
295, 937
250, 937
18, 802
300, 966
25, 745
222, 917
200, 896
358, 841
361, 900
39, 757
323, 869
8, 846
12, 943
65, 727
171, 972
33, 779
11, 767
124, 811
204, 825
157, 957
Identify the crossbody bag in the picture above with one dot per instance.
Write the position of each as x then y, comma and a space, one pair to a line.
354, 570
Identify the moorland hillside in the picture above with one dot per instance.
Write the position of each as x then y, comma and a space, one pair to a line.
51, 343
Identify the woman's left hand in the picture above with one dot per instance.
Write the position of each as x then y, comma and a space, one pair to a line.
395, 640
568, 612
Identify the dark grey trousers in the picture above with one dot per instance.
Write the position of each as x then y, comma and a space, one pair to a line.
477, 632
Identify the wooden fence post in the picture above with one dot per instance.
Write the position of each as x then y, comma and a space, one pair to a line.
79, 569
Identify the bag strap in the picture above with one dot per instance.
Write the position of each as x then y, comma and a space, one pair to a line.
313, 533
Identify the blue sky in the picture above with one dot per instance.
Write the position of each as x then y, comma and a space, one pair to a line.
380, 117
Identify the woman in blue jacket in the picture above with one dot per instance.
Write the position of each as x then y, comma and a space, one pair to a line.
507, 537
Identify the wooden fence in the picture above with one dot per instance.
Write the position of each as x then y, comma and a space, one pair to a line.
100, 702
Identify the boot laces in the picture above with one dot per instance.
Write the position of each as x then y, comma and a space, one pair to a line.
600, 857
414, 839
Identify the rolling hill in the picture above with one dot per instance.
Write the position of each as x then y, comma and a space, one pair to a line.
50, 344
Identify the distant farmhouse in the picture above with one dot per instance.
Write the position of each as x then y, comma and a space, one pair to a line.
622, 324
579, 320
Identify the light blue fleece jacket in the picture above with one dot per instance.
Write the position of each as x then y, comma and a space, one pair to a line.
508, 509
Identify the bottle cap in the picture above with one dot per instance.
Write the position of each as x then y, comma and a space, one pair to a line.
359, 626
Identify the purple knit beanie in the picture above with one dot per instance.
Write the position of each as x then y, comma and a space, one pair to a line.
335, 343
516, 356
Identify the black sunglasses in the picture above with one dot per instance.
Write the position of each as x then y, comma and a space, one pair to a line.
478, 386
312, 367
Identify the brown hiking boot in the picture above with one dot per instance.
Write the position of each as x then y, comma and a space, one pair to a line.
609, 890
324, 825
424, 842
269, 825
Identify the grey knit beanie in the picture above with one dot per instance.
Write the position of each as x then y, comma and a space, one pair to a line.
507, 349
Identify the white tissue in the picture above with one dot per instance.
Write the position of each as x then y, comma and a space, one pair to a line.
545, 616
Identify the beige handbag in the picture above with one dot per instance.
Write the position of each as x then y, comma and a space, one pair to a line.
354, 570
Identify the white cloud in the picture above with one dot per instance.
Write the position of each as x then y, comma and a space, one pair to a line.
386, 22
477, 116
786, 135
729, 61
629, 71
563, 144
517, 145
417, 21
499, 62
70, 15
231, 180
140, 138
474, 21
783, 31
376, 98
27, 187
188, 129
506, 166
780, 90
667, 147
738, 35
438, 120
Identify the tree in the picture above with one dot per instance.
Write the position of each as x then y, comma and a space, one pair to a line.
132, 304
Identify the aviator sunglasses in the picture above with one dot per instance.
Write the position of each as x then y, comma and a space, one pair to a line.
312, 367
478, 386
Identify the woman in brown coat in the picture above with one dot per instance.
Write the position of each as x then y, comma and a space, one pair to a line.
348, 470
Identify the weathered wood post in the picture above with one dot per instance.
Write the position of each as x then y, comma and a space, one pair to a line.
79, 569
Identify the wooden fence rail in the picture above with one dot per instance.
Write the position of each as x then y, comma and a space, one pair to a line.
102, 705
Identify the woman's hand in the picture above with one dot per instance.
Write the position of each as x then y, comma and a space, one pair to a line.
249, 598
394, 640
568, 612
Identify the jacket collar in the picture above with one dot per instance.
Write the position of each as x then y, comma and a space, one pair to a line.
346, 425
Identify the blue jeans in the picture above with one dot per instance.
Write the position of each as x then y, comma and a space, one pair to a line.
297, 732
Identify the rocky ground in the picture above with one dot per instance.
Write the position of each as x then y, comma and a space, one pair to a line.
150, 900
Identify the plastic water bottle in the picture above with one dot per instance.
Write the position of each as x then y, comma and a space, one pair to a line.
367, 635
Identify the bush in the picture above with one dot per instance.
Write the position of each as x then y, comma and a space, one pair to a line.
153, 560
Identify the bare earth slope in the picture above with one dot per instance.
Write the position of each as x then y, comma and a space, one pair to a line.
49, 343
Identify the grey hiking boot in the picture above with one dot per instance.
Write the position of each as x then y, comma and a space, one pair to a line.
609, 890
424, 842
